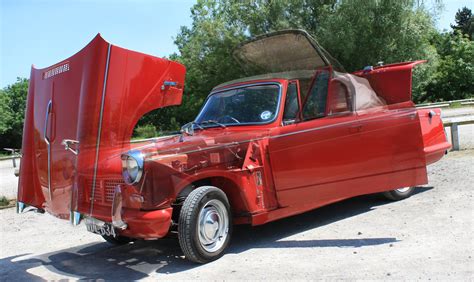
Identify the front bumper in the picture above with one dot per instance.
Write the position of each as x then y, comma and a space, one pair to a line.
140, 224
147, 224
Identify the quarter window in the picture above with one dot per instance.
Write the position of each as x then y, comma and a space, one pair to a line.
315, 105
292, 106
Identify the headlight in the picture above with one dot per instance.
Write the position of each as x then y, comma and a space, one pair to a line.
132, 167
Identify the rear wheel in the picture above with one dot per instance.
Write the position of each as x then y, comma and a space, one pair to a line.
117, 240
205, 224
399, 194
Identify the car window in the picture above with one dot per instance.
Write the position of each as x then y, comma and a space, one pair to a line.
315, 105
291, 104
339, 100
253, 104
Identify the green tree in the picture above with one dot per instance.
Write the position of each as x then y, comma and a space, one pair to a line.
358, 33
464, 22
12, 113
454, 76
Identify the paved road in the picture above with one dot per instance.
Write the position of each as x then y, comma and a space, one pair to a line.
428, 236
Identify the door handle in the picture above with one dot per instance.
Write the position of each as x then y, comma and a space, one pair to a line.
48, 145
67, 145
355, 128
168, 84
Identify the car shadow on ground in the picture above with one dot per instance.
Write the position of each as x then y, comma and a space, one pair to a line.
138, 260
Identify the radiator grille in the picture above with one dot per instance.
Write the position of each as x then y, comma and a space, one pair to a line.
104, 189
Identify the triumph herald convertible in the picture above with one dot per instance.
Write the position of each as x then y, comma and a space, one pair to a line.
299, 135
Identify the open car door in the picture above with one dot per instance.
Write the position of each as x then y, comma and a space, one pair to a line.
80, 117
336, 144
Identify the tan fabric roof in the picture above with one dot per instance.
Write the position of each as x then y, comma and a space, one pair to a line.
299, 74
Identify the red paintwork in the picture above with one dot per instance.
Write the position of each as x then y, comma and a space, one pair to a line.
76, 97
268, 171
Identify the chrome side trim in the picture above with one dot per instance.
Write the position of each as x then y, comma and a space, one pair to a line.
99, 131
75, 218
404, 113
48, 145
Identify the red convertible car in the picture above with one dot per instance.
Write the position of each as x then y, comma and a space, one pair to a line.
301, 135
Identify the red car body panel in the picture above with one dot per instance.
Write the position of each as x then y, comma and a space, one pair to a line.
267, 171
65, 101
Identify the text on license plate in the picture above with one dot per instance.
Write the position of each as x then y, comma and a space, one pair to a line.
99, 227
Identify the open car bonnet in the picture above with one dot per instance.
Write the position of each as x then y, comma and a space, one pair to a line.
80, 109
283, 51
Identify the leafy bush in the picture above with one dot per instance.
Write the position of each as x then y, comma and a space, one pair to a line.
145, 131
4, 201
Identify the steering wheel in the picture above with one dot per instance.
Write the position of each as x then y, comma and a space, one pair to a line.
229, 117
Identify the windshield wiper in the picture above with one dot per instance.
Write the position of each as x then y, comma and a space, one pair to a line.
213, 122
197, 124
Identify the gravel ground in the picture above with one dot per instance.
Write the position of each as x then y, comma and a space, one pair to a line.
8, 180
428, 236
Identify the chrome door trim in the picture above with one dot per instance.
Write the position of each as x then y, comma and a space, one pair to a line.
99, 131
49, 107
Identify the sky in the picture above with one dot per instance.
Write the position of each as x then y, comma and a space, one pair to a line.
44, 32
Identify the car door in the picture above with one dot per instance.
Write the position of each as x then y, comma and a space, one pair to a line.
393, 149
314, 159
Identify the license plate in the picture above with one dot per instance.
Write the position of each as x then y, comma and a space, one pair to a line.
99, 227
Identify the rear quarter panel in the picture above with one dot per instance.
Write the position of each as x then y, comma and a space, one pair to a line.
435, 142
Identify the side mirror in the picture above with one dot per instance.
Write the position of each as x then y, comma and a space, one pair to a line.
187, 128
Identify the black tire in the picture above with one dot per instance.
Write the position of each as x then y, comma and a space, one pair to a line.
397, 195
201, 200
117, 240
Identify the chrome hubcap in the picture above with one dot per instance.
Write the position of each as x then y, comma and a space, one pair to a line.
213, 225
403, 190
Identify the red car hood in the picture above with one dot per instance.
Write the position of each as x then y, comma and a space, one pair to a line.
89, 105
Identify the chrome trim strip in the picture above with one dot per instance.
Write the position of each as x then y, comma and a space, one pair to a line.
99, 131
48, 145
20, 207
404, 113
154, 139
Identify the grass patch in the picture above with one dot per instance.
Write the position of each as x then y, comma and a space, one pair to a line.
4, 201
455, 105
4, 154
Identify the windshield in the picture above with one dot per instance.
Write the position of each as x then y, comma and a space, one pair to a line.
254, 104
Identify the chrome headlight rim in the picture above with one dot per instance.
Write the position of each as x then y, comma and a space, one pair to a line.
137, 156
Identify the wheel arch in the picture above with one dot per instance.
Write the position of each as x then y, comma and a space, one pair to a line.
228, 185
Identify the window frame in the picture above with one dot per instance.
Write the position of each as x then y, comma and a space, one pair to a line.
278, 106
298, 97
349, 102
313, 81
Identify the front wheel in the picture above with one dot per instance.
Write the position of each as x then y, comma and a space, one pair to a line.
205, 224
399, 194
